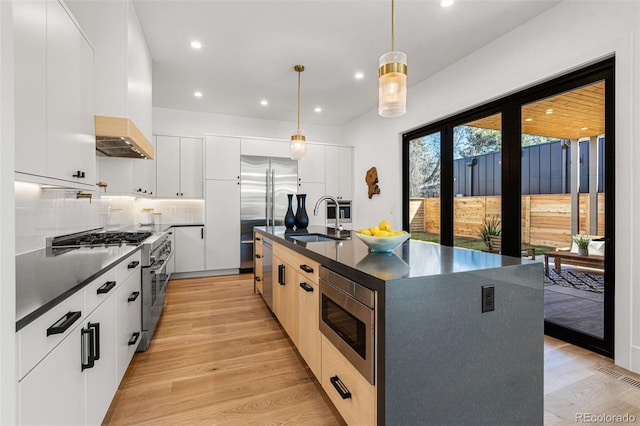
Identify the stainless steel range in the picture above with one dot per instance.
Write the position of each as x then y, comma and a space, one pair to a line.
156, 251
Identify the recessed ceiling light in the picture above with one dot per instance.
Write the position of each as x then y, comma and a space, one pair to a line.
446, 3
550, 111
529, 119
264, 102
318, 109
196, 44
359, 75
197, 94
584, 128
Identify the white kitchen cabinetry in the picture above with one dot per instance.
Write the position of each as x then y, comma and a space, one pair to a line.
265, 148
311, 167
60, 383
314, 191
62, 146
222, 216
222, 158
339, 172
189, 248
178, 167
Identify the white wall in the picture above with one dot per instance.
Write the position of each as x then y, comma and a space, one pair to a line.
565, 37
8, 379
176, 122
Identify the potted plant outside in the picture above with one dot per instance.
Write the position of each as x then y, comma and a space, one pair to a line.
582, 242
490, 226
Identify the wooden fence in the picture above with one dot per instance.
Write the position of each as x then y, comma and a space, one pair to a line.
546, 218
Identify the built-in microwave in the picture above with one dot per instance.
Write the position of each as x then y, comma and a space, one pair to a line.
344, 211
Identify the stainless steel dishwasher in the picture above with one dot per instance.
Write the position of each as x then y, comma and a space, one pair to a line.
267, 275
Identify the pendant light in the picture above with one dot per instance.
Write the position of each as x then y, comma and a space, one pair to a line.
392, 79
298, 140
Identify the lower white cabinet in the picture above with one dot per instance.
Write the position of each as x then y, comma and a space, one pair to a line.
189, 248
73, 382
222, 209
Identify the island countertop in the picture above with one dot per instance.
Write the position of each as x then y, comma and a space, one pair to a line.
412, 259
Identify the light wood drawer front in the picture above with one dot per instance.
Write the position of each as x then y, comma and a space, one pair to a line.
129, 301
128, 266
99, 290
360, 407
34, 343
305, 266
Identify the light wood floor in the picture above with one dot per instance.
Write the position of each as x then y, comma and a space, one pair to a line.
219, 358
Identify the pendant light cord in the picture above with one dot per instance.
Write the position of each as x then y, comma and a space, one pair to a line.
298, 100
393, 41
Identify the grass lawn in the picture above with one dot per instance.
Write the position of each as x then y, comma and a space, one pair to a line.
467, 242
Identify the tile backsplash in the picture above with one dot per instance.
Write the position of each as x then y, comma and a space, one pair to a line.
41, 213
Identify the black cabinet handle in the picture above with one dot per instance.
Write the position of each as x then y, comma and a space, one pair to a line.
258, 238
257, 278
133, 296
134, 338
258, 256
106, 287
177, 193
306, 287
340, 387
181, 194
96, 340
202, 233
133, 264
281, 275
306, 268
79, 174
64, 323
91, 358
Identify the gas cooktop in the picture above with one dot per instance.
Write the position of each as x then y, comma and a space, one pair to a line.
98, 239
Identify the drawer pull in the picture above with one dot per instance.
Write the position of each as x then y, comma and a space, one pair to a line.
106, 287
307, 268
91, 358
96, 340
281, 275
133, 264
134, 338
133, 296
258, 256
257, 278
64, 323
306, 287
258, 238
340, 387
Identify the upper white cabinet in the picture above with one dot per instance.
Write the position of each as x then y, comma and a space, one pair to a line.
311, 167
265, 148
339, 172
222, 158
54, 66
123, 62
179, 167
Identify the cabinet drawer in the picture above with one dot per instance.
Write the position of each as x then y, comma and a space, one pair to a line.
360, 407
128, 266
39, 338
126, 345
305, 266
129, 301
99, 290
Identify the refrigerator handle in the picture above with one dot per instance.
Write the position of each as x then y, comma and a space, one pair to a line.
266, 197
273, 197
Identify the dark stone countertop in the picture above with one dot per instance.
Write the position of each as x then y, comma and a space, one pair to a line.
411, 260
43, 279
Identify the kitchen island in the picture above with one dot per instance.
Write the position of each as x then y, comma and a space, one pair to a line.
439, 359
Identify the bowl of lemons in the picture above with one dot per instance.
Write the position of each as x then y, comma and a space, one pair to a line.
382, 238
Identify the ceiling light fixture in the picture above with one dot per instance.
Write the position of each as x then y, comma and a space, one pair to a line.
359, 76
196, 44
264, 102
318, 109
298, 140
446, 3
197, 94
392, 78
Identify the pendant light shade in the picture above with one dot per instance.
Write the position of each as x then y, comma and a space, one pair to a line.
392, 79
298, 139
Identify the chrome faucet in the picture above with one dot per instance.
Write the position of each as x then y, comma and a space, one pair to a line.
335, 201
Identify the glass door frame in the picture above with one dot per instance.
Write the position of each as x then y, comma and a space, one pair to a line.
511, 109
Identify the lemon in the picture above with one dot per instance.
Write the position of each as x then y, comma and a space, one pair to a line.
385, 225
374, 230
364, 232
381, 234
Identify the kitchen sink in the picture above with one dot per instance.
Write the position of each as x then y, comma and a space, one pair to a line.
313, 238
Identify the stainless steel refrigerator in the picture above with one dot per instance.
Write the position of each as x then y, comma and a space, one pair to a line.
264, 185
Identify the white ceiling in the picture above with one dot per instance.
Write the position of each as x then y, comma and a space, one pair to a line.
250, 48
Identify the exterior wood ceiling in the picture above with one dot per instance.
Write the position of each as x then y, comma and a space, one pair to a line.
571, 115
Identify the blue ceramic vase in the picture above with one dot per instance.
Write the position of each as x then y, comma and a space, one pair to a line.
302, 219
289, 217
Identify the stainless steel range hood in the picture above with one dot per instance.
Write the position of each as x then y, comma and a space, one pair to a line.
120, 137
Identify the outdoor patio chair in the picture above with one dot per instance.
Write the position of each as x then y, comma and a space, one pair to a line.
495, 246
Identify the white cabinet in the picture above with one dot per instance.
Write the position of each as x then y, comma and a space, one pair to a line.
178, 167
222, 158
265, 148
311, 168
222, 216
63, 145
189, 248
314, 191
339, 172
